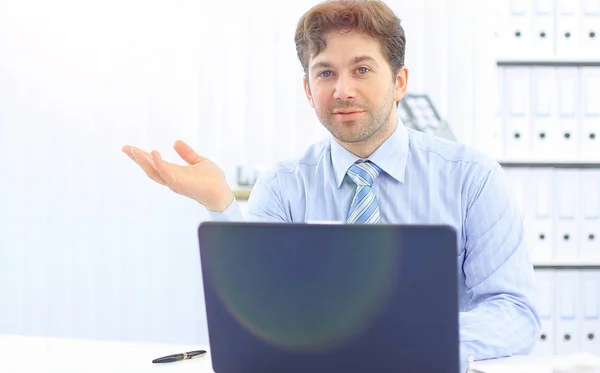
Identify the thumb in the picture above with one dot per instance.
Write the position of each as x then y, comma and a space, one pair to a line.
187, 153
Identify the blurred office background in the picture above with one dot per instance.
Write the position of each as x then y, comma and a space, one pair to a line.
91, 248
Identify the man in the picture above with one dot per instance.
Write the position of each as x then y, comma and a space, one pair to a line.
373, 169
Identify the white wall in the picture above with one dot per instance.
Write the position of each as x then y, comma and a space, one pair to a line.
89, 247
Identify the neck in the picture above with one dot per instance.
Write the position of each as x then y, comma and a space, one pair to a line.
364, 149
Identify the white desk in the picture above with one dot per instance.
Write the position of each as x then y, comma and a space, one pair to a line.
20, 354
39, 354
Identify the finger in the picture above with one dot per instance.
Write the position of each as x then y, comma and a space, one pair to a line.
146, 163
165, 169
127, 150
187, 153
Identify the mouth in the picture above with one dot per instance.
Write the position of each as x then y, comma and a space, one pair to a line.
348, 114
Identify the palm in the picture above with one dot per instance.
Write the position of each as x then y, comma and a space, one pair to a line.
201, 179
198, 181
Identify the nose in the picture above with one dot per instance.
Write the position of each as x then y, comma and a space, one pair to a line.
344, 88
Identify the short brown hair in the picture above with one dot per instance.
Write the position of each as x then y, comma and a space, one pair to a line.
369, 17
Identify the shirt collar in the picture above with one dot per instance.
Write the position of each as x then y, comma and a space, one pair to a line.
391, 156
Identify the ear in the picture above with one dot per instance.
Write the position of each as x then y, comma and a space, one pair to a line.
307, 91
401, 84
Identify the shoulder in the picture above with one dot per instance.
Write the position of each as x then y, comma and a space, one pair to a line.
298, 167
445, 152
472, 170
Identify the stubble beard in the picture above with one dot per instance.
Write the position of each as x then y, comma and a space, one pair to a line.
352, 131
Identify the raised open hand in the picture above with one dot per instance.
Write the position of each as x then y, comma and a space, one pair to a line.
201, 179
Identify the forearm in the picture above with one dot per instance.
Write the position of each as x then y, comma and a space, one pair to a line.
500, 318
500, 326
231, 213
264, 205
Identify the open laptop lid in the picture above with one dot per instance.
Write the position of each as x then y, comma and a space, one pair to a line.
312, 298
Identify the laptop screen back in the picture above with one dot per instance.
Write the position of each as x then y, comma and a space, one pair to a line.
304, 298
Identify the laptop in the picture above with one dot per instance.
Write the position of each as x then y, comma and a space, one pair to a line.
327, 298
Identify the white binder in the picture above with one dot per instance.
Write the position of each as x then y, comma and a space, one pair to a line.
544, 35
589, 31
589, 215
567, 90
519, 180
541, 194
502, 30
566, 196
589, 311
519, 28
546, 309
566, 321
544, 134
567, 28
495, 132
517, 98
589, 130
490, 136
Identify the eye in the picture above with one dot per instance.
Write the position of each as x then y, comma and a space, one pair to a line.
325, 74
363, 70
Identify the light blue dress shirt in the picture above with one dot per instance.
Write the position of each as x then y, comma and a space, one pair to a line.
425, 179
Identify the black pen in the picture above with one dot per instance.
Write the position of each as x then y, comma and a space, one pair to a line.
177, 357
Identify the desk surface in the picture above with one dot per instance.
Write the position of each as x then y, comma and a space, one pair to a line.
42, 354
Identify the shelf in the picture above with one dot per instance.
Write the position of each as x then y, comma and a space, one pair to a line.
549, 61
242, 193
567, 265
550, 163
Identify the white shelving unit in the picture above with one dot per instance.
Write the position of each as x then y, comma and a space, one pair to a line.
548, 35
547, 61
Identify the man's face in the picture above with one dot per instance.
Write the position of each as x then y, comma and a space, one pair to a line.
351, 87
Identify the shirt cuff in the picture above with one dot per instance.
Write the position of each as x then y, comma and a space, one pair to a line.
233, 212
465, 358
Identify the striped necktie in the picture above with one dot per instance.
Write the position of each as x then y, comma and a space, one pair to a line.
365, 207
